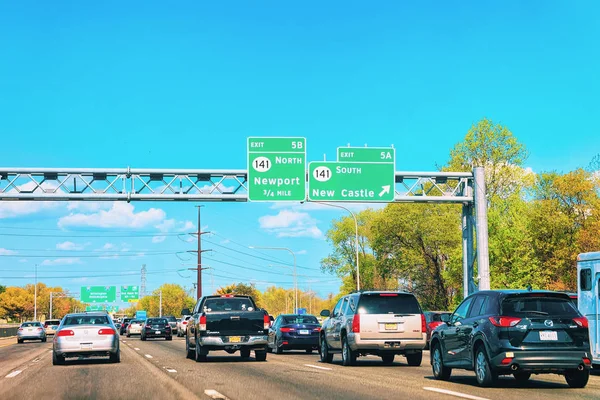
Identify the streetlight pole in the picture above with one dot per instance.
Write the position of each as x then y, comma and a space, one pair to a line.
355, 238
35, 296
295, 275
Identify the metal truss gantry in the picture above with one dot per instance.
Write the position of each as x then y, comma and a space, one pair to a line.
131, 184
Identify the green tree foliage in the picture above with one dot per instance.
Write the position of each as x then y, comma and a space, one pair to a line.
2, 289
174, 299
242, 288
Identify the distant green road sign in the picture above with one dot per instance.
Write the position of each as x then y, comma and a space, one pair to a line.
276, 169
95, 307
112, 308
98, 294
130, 293
360, 174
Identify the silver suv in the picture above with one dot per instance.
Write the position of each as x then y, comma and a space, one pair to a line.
374, 322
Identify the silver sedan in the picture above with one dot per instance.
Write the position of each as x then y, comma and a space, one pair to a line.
87, 335
135, 327
31, 330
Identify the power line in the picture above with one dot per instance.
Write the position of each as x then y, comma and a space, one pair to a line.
92, 236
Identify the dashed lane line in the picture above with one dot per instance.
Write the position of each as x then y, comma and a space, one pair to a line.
171, 370
455, 394
317, 367
13, 374
213, 394
148, 356
135, 348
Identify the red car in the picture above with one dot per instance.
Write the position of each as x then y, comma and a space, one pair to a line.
433, 320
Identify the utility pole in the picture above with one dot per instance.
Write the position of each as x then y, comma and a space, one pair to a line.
51, 293
143, 283
160, 305
199, 254
35, 296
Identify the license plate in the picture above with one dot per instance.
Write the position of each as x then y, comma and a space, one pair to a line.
235, 339
157, 332
548, 335
86, 346
391, 327
304, 331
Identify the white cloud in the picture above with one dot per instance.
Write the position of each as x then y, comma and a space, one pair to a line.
120, 215
70, 246
290, 223
89, 206
172, 225
12, 209
158, 239
301, 252
62, 261
108, 246
23, 260
6, 252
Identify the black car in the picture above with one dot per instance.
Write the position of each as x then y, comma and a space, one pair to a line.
514, 332
156, 328
294, 332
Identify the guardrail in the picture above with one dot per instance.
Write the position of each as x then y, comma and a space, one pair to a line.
8, 330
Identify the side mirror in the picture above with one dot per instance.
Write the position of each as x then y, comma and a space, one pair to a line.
325, 313
445, 318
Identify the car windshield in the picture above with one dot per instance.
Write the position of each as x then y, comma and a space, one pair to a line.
136, 321
388, 303
156, 321
228, 304
300, 319
86, 320
530, 306
171, 319
30, 324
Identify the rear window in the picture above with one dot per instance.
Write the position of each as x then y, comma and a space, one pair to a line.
228, 304
30, 324
521, 306
434, 317
300, 319
137, 321
157, 321
388, 303
86, 320
171, 319
52, 322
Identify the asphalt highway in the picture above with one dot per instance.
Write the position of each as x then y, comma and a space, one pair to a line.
159, 369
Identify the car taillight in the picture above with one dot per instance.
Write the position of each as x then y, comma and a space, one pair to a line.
582, 322
286, 330
65, 332
423, 324
435, 324
317, 329
587, 361
388, 294
45, 325
184, 323
266, 322
356, 323
106, 331
40, 329
504, 322
20, 329
202, 323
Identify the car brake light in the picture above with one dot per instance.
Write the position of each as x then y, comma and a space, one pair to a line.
106, 331
286, 330
356, 323
587, 361
582, 322
317, 329
435, 324
184, 323
65, 332
202, 323
226, 295
504, 322
388, 294
20, 329
266, 322
423, 324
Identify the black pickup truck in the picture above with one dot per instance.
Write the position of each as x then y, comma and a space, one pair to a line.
227, 322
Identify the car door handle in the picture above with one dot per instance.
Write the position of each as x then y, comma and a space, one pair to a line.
457, 330
475, 324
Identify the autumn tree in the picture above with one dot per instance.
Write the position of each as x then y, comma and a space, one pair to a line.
174, 300
243, 289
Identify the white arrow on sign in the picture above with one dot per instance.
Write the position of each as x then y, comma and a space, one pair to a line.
386, 189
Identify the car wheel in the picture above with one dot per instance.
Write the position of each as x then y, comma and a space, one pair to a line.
309, 351
188, 352
440, 371
388, 359
57, 360
115, 357
169, 338
200, 353
522, 376
269, 349
278, 348
576, 378
414, 359
19, 340
483, 372
128, 335
260, 355
348, 356
44, 340
326, 356
245, 353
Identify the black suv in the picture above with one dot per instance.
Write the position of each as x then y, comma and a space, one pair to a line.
514, 332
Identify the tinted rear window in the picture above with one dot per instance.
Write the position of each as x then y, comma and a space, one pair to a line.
300, 319
388, 304
434, 317
172, 319
227, 304
158, 321
86, 320
31, 324
521, 306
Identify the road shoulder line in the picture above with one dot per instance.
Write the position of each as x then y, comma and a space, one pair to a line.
455, 394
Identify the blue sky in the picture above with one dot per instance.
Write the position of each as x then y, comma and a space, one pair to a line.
151, 85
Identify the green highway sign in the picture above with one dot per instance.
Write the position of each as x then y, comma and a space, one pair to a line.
112, 309
276, 169
130, 293
360, 174
98, 294
95, 307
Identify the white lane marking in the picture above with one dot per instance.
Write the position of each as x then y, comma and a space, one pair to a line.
148, 356
171, 370
317, 367
455, 394
135, 348
124, 341
213, 394
13, 374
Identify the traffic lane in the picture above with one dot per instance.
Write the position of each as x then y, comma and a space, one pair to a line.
291, 375
94, 378
370, 369
13, 354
